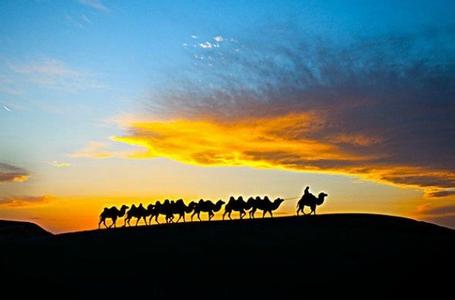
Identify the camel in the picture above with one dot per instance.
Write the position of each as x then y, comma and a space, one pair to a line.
206, 206
236, 205
152, 212
136, 212
253, 202
159, 208
111, 213
310, 200
180, 208
265, 205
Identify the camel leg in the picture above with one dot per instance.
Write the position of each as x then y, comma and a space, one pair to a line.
180, 216
199, 216
229, 215
113, 222
271, 214
225, 212
192, 216
263, 213
242, 214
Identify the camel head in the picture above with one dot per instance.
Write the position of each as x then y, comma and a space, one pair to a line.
150, 207
321, 197
124, 207
278, 201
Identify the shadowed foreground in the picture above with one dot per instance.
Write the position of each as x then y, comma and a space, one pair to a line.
314, 255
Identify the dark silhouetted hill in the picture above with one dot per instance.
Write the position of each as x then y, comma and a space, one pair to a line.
12, 230
356, 255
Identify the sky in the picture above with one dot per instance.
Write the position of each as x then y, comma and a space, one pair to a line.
111, 102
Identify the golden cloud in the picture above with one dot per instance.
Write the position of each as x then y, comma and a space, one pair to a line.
286, 142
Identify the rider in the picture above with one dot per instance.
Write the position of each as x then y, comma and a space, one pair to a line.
307, 191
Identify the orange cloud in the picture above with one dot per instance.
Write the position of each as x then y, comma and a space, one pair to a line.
252, 142
24, 201
288, 142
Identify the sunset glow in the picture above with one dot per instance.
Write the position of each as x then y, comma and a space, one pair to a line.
106, 104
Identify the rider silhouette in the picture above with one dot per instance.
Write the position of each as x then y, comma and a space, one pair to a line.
307, 191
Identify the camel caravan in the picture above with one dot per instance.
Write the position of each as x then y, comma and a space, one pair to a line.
169, 209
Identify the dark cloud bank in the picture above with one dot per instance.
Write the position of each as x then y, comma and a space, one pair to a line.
391, 98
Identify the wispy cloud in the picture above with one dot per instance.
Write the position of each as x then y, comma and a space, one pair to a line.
60, 164
6, 108
95, 4
206, 45
218, 38
53, 73
24, 201
441, 193
10, 173
94, 150
440, 214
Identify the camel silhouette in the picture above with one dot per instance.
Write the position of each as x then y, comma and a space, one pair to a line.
310, 200
136, 212
208, 207
164, 208
236, 205
111, 213
180, 208
265, 205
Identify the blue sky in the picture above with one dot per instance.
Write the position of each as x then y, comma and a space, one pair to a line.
72, 73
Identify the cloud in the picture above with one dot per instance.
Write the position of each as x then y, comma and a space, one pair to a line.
440, 214
380, 108
101, 150
206, 45
218, 38
53, 73
24, 201
6, 108
9, 173
94, 150
442, 193
60, 164
96, 4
